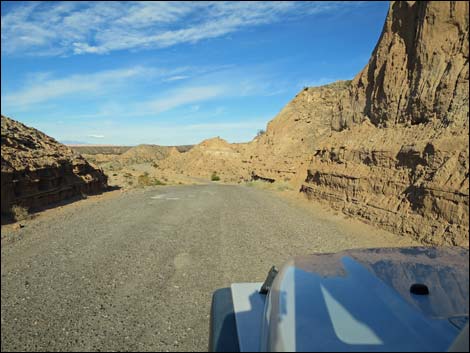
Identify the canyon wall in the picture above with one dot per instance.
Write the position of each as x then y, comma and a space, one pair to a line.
397, 157
391, 146
37, 171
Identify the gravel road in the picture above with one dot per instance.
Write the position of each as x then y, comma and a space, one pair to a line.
136, 271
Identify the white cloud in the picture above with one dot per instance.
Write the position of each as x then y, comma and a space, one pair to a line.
176, 78
42, 88
184, 96
66, 28
96, 136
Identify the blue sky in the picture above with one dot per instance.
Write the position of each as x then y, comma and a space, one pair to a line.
173, 73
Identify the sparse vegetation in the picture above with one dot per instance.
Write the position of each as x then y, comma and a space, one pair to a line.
215, 177
260, 132
278, 185
19, 213
282, 186
145, 180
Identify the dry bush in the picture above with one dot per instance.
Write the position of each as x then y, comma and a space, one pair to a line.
215, 177
146, 180
19, 213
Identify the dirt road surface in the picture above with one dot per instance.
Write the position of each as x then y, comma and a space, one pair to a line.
136, 272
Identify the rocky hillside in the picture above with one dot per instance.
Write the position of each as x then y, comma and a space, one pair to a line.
285, 150
145, 153
37, 171
397, 156
212, 155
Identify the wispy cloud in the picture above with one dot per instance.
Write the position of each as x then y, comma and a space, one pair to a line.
94, 136
176, 78
184, 96
101, 92
68, 28
42, 88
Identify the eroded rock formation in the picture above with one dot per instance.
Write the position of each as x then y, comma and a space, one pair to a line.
401, 159
37, 171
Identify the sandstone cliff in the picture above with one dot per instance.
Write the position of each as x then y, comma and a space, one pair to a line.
37, 171
401, 159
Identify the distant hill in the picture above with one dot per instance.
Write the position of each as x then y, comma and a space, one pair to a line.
100, 149
73, 143
117, 150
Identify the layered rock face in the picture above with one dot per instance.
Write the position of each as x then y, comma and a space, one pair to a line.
284, 151
37, 171
418, 71
397, 156
418, 187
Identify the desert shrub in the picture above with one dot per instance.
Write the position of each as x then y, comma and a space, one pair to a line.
283, 187
155, 165
260, 132
145, 180
19, 213
114, 174
278, 185
157, 182
215, 177
258, 184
